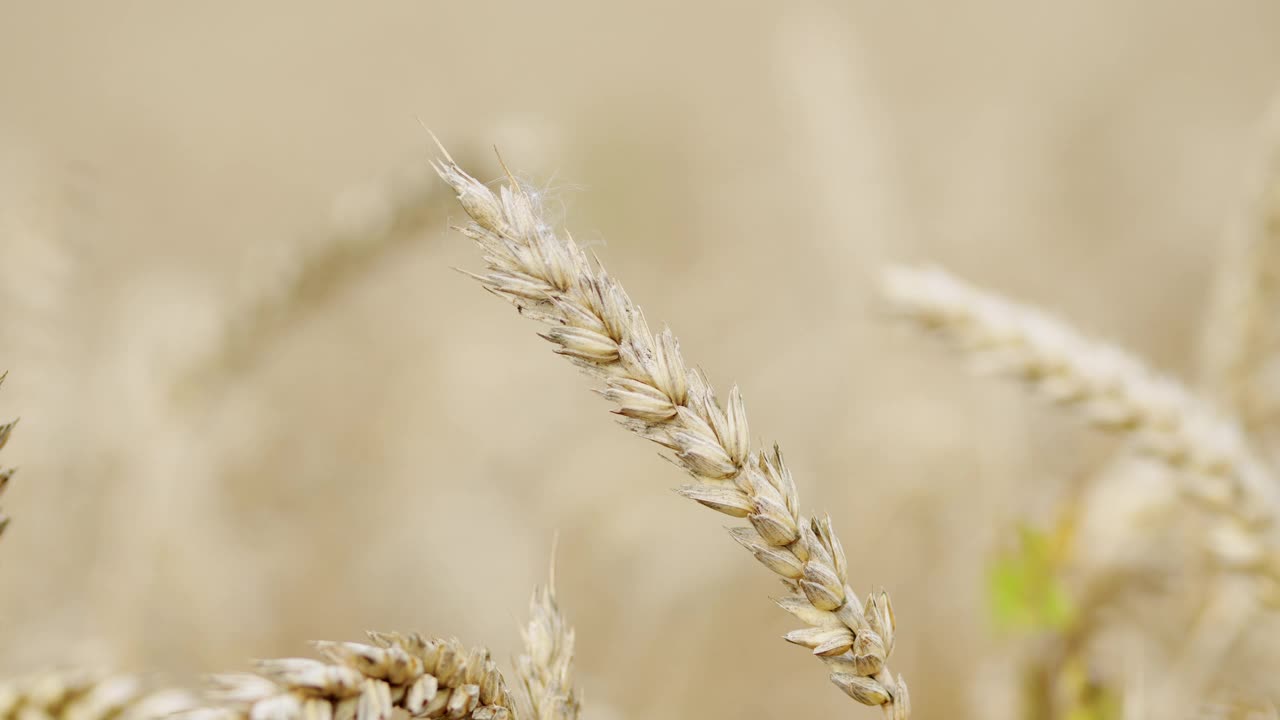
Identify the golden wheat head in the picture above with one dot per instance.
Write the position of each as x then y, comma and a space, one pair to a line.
592, 321
357, 681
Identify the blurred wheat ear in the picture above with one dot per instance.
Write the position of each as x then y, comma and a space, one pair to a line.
86, 696
593, 323
5, 473
1115, 392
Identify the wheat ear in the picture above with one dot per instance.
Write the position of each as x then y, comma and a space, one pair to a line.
84, 696
1113, 391
593, 322
5, 473
356, 681
546, 667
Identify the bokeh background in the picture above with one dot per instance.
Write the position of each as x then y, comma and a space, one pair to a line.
401, 452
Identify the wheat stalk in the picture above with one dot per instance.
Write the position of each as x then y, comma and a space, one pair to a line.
369, 224
1263, 710
85, 696
546, 667
1241, 337
593, 323
1113, 391
1230, 610
356, 681
5, 473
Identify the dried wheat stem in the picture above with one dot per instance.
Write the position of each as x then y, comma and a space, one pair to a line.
546, 667
369, 224
84, 696
1259, 710
1241, 336
1229, 611
592, 322
5, 473
1114, 391
424, 678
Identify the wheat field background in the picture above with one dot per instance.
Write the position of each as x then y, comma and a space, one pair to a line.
401, 454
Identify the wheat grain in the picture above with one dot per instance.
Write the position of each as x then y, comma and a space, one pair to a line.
593, 322
1113, 391
546, 667
356, 681
5, 473
86, 696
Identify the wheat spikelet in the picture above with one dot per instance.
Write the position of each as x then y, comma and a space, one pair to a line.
1113, 391
356, 681
5, 473
85, 696
546, 667
592, 322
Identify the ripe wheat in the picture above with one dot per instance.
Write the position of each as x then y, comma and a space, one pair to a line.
593, 323
84, 696
546, 667
356, 681
1114, 391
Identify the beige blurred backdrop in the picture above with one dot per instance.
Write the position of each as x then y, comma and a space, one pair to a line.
402, 456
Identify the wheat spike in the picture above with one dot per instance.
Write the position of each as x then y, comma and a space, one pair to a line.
85, 696
357, 681
5, 473
592, 322
546, 667
1113, 391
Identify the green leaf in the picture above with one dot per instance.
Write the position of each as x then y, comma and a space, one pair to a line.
1024, 591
